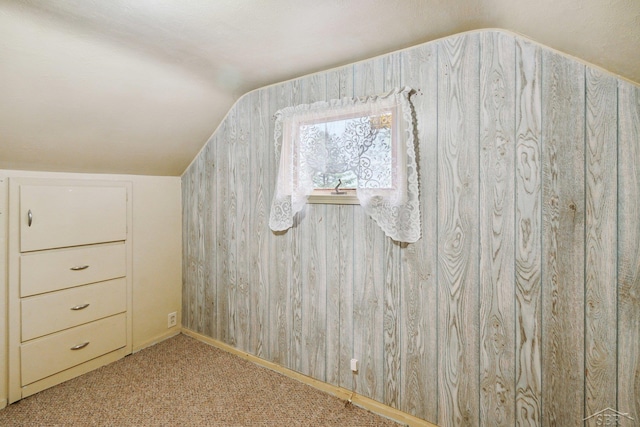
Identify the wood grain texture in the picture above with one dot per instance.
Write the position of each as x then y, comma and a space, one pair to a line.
280, 271
339, 288
259, 249
314, 316
346, 262
333, 300
419, 297
368, 274
458, 231
243, 215
628, 250
333, 339
391, 326
201, 269
368, 285
295, 237
528, 234
347, 314
497, 212
601, 242
519, 304
314, 264
194, 240
196, 243
233, 291
393, 266
209, 232
187, 267
270, 95
563, 240
222, 242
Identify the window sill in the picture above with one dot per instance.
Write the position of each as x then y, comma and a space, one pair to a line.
328, 198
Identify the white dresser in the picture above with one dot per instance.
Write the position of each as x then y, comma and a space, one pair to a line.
69, 279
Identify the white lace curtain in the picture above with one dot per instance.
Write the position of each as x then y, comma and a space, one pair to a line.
384, 173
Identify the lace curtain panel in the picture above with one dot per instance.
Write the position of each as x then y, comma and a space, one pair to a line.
364, 144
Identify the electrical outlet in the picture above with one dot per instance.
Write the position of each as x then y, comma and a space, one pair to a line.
172, 319
354, 365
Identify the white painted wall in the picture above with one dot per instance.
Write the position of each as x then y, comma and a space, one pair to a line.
157, 265
3, 290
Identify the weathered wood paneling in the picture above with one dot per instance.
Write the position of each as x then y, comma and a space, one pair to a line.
629, 251
243, 211
258, 235
601, 241
210, 232
339, 255
199, 245
187, 238
419, 291
280, 271
313, 232
497, 291
458, 157
368, 272
233, 184
528, 235
563, 240
223, 241
346, 283
295, 254
519, 304
391, 293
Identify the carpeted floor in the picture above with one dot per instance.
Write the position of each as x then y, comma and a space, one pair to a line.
184, 382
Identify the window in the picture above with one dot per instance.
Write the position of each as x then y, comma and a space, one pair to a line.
351, 152
345, 152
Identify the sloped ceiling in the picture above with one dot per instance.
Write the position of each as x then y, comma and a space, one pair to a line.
138, 86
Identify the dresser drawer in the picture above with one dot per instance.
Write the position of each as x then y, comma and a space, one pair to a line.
52, 312
61, 216
54, 270
54, 353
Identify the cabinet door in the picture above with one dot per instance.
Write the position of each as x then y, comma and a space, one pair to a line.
61, 216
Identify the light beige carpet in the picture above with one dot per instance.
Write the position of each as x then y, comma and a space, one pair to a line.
184, 382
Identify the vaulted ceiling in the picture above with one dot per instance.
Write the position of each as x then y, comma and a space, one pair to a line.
138, 86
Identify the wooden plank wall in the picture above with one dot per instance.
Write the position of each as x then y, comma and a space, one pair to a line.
520, 304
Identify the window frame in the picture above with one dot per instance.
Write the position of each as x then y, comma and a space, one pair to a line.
290, 137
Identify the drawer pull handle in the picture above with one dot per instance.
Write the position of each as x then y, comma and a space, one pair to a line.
79, 267
80, 346
29, 218
80, 307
